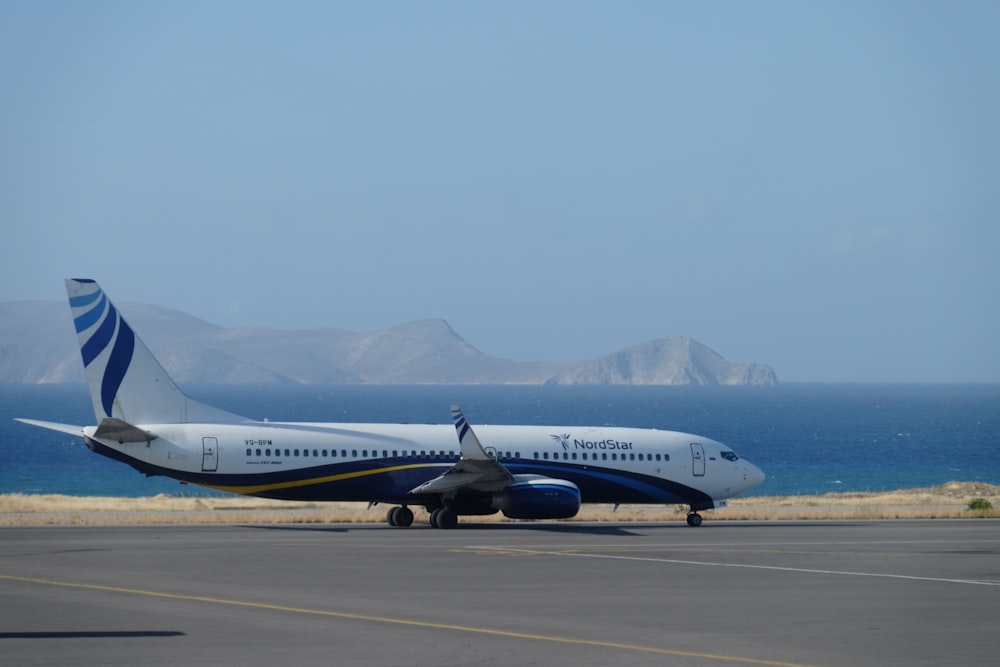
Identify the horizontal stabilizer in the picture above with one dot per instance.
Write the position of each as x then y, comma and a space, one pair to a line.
116, 429
53, 426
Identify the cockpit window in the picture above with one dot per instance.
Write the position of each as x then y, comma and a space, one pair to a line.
729, 456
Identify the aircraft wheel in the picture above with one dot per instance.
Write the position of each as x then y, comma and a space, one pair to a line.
390, 516
694, 519
434, 518
404, 517
447, 518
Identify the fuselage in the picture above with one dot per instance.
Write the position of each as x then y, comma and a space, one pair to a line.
385, 462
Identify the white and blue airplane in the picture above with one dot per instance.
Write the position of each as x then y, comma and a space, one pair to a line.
526, 472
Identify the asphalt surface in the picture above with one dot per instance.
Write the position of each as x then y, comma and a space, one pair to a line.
784, 593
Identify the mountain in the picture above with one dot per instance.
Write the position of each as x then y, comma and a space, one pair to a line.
37, 345
672, 361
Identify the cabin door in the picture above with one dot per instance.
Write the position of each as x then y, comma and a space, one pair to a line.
209, 454
697, 459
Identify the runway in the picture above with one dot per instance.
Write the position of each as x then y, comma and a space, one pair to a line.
782, 593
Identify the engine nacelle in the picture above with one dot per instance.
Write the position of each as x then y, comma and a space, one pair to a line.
538, 497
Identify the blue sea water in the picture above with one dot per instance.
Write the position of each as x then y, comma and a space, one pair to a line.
808, 438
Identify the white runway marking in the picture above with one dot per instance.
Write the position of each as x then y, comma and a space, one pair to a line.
675, 561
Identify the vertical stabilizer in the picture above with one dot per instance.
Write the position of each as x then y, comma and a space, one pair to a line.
126, 382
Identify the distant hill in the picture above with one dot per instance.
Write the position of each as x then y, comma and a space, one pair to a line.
37, 345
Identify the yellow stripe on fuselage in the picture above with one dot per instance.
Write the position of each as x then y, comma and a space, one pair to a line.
261, 488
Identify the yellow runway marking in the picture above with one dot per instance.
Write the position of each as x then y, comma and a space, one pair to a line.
403, 621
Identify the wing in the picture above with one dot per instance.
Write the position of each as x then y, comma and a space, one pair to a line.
476, 470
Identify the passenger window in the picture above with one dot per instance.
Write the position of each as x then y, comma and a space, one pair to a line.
296, 452
267, 452
258, 451
248, 451
305, 452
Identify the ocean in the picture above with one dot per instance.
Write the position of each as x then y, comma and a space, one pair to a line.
808, 438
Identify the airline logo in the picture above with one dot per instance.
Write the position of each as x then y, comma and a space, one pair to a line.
562, 440
88, 309
565, 440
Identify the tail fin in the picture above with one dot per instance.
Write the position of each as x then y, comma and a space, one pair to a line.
126, 382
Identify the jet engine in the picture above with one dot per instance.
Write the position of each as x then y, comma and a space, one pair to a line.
538, 497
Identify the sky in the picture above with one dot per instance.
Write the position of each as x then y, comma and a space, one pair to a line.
809, 185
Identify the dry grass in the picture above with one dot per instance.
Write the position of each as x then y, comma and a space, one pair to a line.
949, 500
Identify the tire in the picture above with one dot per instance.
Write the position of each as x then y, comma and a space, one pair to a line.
404, 517
447, 518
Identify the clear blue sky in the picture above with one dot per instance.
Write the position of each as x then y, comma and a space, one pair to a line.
811, 185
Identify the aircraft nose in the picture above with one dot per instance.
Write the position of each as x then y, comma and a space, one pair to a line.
753, 475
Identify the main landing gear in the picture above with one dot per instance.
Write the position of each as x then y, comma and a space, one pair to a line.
402, 517
445, 518
694, 519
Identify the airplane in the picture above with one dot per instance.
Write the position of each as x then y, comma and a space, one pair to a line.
526, 472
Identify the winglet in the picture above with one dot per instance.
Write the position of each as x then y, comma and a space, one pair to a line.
468, 442
475, 469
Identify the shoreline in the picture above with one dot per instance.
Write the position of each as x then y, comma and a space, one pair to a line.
946, 501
